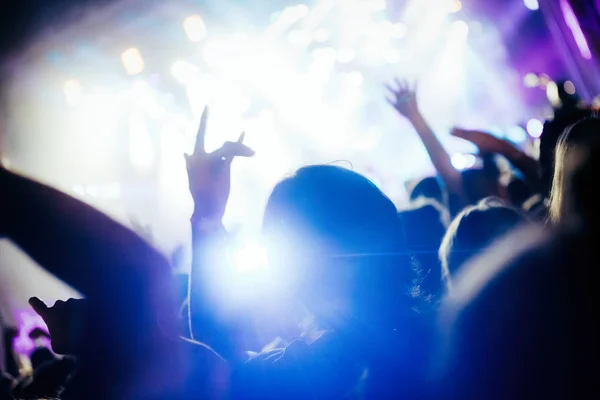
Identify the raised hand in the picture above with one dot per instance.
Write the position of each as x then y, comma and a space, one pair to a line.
485, 142
403, 97
65, 321
209, 174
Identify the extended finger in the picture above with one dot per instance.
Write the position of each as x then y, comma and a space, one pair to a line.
233, 149
201, 134
38, 306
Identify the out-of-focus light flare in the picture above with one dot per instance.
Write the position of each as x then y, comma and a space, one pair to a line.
455, 6
458, 161
321, 35
544, 79
461, 27
516, 134
569, 87
141, 150
132, 61
185, 72
73, 93
398, 30
392, 56
250, 256
552, 94
194, 28
345, 55
535, 128
377, 5
354, 78
531, 80
533, 5
299, 37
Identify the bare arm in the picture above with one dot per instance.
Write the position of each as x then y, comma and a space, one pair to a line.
405, 102
488, 143
209, 177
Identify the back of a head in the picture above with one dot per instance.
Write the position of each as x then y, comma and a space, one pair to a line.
576, 146
553, 129
334, 225
429, 188
521, 322
473, 230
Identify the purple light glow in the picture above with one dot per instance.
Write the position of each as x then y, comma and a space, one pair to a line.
573, 24
27, 321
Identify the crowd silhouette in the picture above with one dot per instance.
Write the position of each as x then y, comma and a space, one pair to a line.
484, 288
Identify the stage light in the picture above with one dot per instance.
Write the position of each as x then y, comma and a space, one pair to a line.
531, 80
455, 6
392, 56
194, 28
460, 27
345, 56
141, 149
459, 161
298, 37
377, 5
516, 134
132, 61
250, 256
569, 87
573, 24
533, 5
185, 72
321, 35
535, 128
72, 91
354, 78
398, 30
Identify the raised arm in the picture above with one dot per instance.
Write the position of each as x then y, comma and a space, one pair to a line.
404, 100
487, 143
209, 177
74, 241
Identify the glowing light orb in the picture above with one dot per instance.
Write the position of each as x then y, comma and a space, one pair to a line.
535, 128
194, 28
132, 61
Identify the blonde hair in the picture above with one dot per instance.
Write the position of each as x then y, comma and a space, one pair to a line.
572, 149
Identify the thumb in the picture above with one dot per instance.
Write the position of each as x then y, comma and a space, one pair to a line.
38, 306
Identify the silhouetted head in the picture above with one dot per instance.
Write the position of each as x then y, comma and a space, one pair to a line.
522, 322
334, 232
553, 129
575, 148
473, 231
428, 188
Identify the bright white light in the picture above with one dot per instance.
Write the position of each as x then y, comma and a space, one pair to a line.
392, 56
249, 257
531, 4
298, 37
377, 5
132, 61
460, 27
470, 160
194, 28
535, 128
72, 91
184, 72
345, 56
398, 30
141, 150
516, 134
455, 6
531, 80
459, 161
321, 35
354, 78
